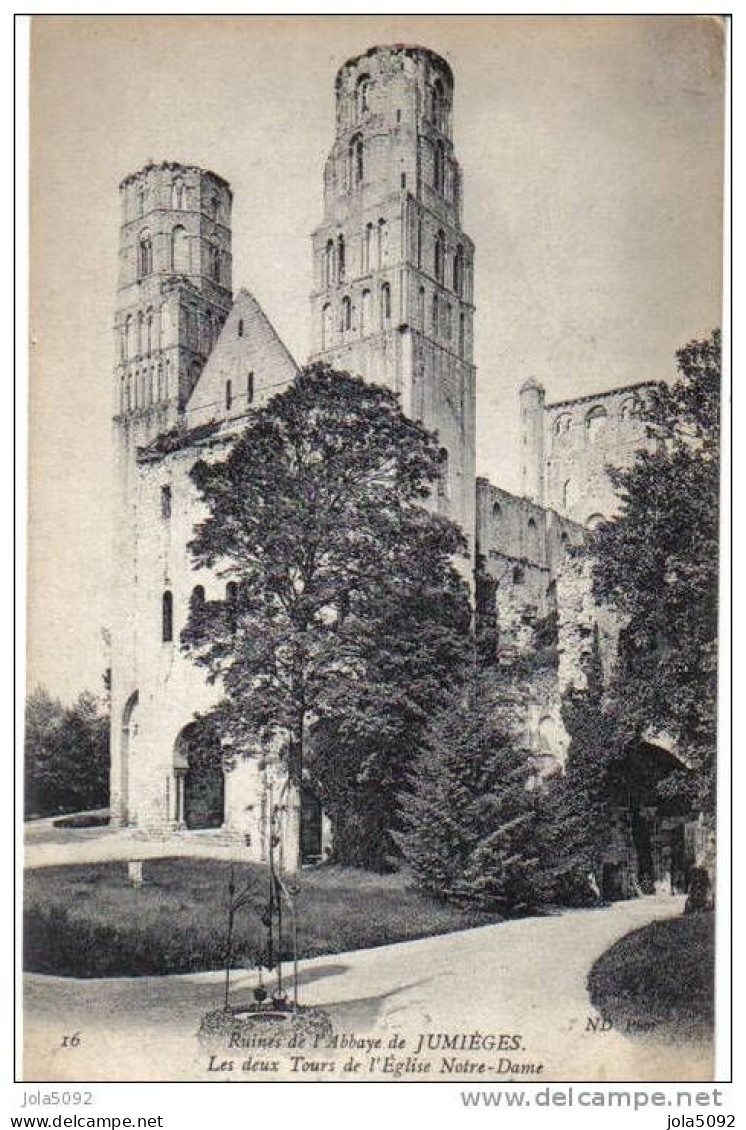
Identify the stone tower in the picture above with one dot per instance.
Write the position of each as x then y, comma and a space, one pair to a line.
393, 271
174, 293
532, 397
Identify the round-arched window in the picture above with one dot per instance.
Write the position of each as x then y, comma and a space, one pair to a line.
595, 422
562, 424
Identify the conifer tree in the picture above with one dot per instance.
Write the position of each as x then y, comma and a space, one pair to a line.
467, 823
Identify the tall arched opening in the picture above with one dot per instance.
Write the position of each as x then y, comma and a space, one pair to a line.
128, 745
200, 780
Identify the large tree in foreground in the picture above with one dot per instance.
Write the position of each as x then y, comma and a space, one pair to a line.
656, 563
343, 583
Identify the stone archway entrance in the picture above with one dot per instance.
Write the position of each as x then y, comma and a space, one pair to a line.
128, 745
200, 780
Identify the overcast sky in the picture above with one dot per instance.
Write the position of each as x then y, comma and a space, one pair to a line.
591, 149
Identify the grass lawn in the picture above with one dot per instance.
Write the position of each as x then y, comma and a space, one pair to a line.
660, 979
85, 920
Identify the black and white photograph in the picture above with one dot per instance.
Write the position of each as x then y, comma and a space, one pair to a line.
374, 545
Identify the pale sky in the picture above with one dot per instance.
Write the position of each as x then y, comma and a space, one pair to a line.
591, 149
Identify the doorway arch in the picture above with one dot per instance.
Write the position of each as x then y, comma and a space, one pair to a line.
128, 746
200, 780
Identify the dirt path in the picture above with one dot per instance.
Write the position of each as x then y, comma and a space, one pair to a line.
524, 980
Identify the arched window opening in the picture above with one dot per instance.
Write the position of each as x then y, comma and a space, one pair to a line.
326, 325
595, 421
356, 161
128, 343
497, 511
447, 322
365, 313
198, 597
436, 316
177, 194
250, 388
436, 103
167, 617
144, 255
439, 256
329, 263
122, 395
161, 386
140, 335
179, 251
141, 192
458, 271
594, 521
166, 502
385, 303
367, 244
566, 494
518, 574
564, 539
240, 327
228, 395
340, 258
149, 335
562, 424
346, 319
439, 167
444, 476
461, 333
215, 262
631, 407
362, 96
381, 242
532, 523
421, 309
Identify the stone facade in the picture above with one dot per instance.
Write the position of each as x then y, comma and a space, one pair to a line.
566, 447
392, 300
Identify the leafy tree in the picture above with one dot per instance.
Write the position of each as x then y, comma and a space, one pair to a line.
66, 754
317, 518
469, 821
656, 563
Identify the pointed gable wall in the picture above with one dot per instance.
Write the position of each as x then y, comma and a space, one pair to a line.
248, 354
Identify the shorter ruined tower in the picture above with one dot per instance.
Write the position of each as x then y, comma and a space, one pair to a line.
532, 397
174, 293
174, 287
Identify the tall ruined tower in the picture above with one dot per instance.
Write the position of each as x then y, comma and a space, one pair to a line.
174, 293
393, 270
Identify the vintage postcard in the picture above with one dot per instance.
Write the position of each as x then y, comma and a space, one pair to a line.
374, 478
